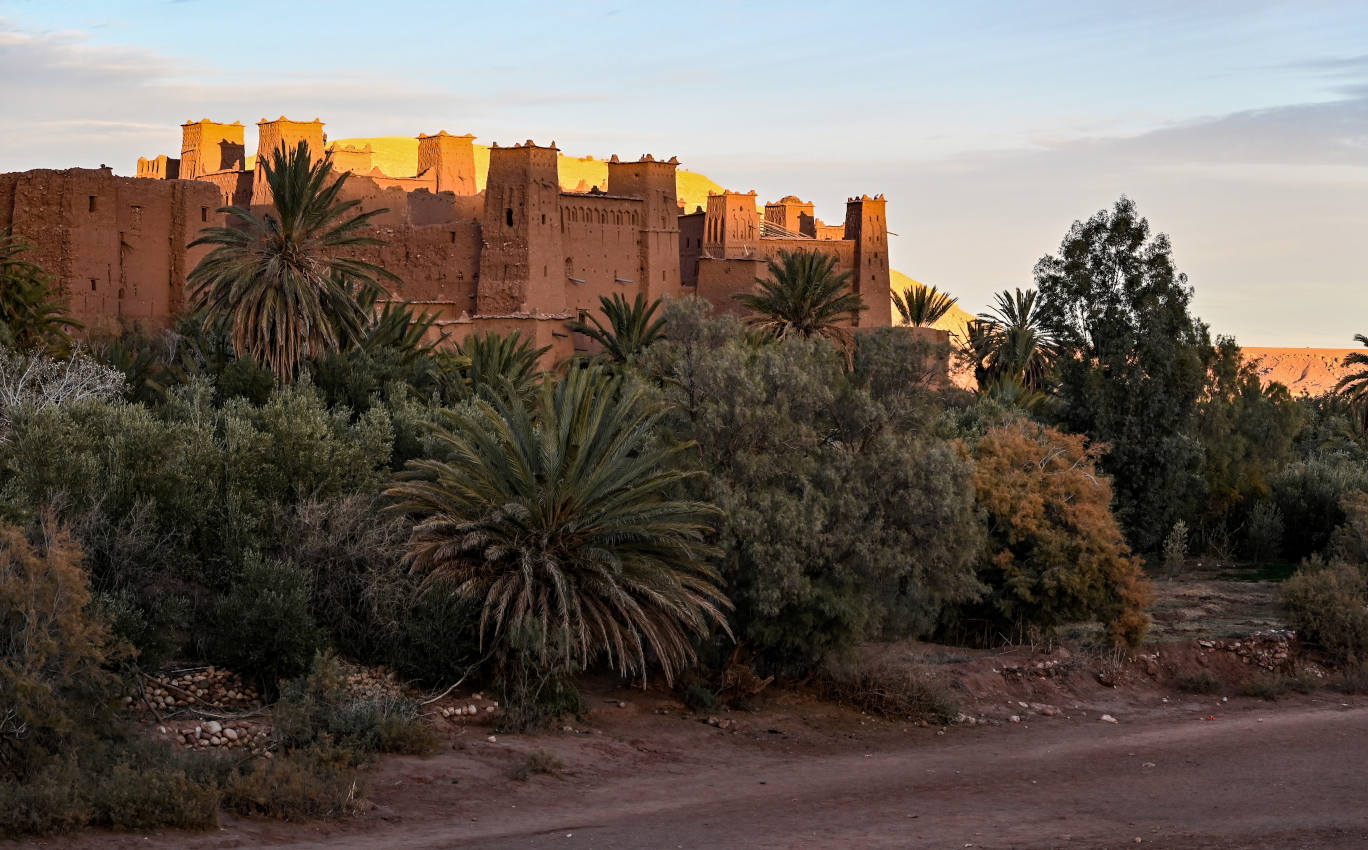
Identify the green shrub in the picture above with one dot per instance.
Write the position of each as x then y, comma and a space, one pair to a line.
1310, 494
314, 782
901, 693
263, 626
843, 517
1327, 604
1264, 531
538, 762
317, 710
1175, 550
138, 797
1349, 542
117, 784
49, 801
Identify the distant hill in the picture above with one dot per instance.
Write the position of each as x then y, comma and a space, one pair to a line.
397, 156
1302, 370
953, 321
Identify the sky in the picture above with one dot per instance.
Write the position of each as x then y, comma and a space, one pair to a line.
1238, 128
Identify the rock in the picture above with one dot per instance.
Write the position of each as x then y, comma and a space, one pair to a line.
213, 727
230, 734
1107, 718
1015, 718
491, 739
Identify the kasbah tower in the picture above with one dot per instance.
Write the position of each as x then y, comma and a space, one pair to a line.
518, 253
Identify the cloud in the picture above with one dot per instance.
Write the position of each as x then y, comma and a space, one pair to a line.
71, 101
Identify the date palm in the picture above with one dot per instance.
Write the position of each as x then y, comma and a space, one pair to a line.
921, 305
804, 295
558, 519
490, 362
631, 328
283, 281
33, 313
1011, 343
1354, 385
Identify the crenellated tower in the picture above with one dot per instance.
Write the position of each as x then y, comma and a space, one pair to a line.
522, 262
452, 158
731, 226
653, 181
867, 227
208, 146
283, 134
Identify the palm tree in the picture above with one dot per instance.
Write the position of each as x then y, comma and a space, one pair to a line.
804, 296
33, 313
630, 327
284, 283
397, 325
559, 520
920, 305
1010, 342
1354, 385
502, 364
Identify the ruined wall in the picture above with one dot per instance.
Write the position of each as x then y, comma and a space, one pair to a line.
161, 167
115, 245
355, 160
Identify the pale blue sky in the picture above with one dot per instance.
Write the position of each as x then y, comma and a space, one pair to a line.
1240, 128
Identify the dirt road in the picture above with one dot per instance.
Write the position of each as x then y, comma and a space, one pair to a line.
1258, 776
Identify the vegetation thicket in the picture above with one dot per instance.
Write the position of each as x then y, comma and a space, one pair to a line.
302, 472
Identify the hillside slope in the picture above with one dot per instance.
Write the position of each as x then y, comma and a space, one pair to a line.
1302, 370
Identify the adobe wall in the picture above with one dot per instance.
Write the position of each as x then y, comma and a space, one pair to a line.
690, 248
522, 265
115, 245
602, 251
161, 167
234, 187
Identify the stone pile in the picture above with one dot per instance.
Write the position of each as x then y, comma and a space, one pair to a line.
374, 683
1037, 670
198, 688
478, 706
1269, 650
255, 737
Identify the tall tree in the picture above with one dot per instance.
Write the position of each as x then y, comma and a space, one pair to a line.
559, 520
804, 295
33, 313
1132, 362
284, 283
920, 305
630, 328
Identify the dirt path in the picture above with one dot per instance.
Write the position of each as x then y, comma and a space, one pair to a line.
1260, 775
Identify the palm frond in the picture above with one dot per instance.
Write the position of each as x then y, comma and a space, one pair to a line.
803, 295
284, 283
921, 305
558, 518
